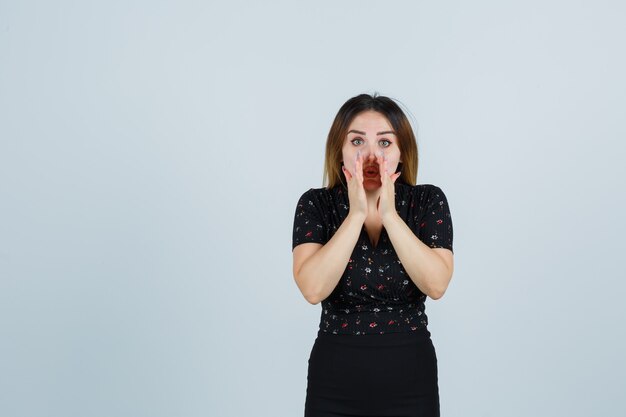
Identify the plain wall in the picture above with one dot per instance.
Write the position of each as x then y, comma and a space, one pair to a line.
152, 153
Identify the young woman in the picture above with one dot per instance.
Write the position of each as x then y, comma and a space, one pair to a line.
370, 246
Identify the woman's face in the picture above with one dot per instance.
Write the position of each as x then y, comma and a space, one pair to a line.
370, 134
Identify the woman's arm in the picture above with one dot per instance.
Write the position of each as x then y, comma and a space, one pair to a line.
429, 268
318, 268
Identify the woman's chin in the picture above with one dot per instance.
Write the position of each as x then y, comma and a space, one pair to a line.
371, 184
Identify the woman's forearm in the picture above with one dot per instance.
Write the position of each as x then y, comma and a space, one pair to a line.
318, 276
425, 267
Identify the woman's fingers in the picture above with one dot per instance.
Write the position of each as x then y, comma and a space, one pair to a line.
382, 167
379, 161
356, 192
346, 173
386, 202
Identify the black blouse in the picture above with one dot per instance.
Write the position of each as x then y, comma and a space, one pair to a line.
375, 295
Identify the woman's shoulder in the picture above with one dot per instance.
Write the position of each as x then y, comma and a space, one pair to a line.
314, 191
324, 192
419, 190
421, 196
324, 197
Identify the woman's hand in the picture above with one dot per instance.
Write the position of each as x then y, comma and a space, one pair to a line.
356, 192
387, 199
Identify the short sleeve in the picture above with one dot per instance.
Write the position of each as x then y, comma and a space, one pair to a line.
435, 228
308, 223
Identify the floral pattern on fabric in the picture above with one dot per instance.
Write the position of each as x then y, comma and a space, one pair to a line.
375, 295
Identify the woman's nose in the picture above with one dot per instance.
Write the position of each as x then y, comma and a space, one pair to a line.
370, 153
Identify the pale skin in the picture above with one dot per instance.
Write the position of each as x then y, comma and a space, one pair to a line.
370, 155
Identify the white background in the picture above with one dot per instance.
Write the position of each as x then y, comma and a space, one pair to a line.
152, 153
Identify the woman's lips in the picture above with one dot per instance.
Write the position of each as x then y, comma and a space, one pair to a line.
370, 171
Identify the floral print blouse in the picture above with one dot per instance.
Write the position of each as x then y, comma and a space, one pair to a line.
375, 295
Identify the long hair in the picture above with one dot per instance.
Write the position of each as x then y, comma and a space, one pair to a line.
407, 144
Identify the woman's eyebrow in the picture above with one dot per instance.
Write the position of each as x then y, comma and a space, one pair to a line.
379, 133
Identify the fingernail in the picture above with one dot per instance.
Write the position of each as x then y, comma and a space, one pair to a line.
358, 154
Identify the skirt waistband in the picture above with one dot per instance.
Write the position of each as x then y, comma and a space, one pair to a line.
387, 339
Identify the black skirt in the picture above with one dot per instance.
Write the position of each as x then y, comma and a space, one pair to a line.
393, 374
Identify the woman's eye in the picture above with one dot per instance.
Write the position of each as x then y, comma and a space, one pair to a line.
357, 141
384, 143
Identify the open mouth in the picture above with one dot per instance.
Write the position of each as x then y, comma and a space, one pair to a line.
370, 171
